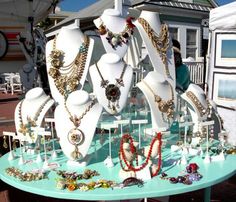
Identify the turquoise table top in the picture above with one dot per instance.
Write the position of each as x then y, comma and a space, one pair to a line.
213, 173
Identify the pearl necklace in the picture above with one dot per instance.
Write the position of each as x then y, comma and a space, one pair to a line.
76, 136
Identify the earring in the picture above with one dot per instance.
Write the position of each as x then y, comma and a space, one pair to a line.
5, 145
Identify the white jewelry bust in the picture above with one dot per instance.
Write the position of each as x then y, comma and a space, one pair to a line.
36, 101
113, 21
69, 40
160, 86
111, 67
77, 103
154, 21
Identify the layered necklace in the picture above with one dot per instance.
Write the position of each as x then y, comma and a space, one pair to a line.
31, 122
201, 109
166, 107
67, 78
160, 42
112, 91
117, 39
76, 136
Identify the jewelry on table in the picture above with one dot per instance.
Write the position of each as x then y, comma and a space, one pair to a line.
201, 109
160, 42
67, 78
87, 174
76, 136
112, 91
116, 39
166, 107
5, 145
31, 122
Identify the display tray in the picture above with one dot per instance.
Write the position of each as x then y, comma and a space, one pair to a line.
213, 173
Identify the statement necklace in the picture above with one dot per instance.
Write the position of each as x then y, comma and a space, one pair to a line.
112, 91
76, 136
117, 39
160, 42
201, 109
164, 106
31, 122
67, 78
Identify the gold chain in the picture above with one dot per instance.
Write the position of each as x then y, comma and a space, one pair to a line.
68, 82
160, 42
164, 106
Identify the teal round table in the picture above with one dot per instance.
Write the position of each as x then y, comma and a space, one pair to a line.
213, 173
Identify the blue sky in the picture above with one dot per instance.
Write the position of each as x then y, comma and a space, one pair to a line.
76, 5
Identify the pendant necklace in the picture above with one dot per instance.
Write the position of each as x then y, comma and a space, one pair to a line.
76, 136
166, 107
160, 42
31, 122
28, 74
112, 91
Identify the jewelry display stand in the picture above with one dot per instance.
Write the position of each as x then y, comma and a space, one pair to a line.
30, 112
70, 42
111, 79
88, 112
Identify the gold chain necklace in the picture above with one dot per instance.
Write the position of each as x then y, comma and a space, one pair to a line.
76, 136
69, 81
164, 106
31, 122
117, 39
112, 91
201, 109
160, 42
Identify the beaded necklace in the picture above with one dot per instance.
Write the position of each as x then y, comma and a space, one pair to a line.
160, 42
67, 78
117, 39
31, 122
112, 91
127, 137
76, 136
164, 106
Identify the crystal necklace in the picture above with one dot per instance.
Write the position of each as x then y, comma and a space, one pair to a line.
112, 91
164, 106
67, 78
76, 136
31, 122
117, 39
160, 42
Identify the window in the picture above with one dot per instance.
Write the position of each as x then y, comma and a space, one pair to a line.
173, 33
191, 43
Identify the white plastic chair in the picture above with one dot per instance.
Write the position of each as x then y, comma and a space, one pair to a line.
15, 83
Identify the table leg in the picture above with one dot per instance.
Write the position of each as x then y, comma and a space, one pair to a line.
207, 194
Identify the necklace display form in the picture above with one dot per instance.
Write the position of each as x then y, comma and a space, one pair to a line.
160, 42
76, 136
117, 39
112, 91
166, 107
67, 78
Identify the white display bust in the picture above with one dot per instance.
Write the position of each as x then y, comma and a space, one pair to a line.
111, 66
77, 104
160, 86
113, 21
35, 102
69, 40
154, 21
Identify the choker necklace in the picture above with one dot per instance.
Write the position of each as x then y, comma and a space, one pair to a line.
112, 91
76, 136
67, 78
201, 109
160, 42
116, 39
31, 122
164, 106
28, 73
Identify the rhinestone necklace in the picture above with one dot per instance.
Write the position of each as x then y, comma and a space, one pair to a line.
67, 78
160, 42
112, 91
166, 107
76, 136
